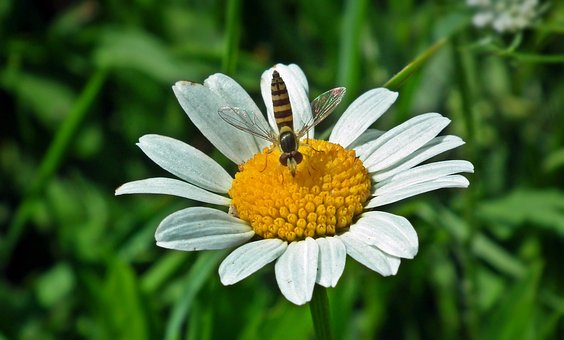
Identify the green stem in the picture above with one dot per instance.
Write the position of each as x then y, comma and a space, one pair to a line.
232, 34
536, 58
397, 80
51, 162
319, 308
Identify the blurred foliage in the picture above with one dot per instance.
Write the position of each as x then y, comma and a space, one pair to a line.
81, 81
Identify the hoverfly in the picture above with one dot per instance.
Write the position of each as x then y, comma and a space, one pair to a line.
287, 140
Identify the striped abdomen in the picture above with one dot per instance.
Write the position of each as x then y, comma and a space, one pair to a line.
281, 102
287, 140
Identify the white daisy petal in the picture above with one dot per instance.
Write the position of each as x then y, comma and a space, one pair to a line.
231, 92
364, 111
296, 270
265, 90
301, 108
202, 105
451, 181
370, 256
299, 76
364, 140
186, 162
199, 228
434, 147
404, 139
249, 258
332, 258
171, 186
391, 233
421, 174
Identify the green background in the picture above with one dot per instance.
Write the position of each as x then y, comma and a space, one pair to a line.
81, 81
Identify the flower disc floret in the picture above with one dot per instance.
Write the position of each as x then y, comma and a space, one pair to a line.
327, 192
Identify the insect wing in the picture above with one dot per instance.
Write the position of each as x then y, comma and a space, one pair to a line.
248, 122
321, 108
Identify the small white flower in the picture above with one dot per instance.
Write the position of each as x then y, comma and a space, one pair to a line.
505, 15
310, 222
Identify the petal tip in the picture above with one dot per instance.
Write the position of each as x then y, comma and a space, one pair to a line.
226, 280
118, 192
393, 95
145, 138
411, 253
182, 83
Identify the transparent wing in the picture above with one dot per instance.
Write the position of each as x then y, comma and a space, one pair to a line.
321, 108
245, 121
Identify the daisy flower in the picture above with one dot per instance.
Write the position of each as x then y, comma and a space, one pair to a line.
307, 222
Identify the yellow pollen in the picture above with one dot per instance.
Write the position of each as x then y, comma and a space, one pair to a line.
327, 192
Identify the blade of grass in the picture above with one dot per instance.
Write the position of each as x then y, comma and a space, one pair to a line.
232, 35
51, 162
157, 275
198, 275
349, 46
465, 72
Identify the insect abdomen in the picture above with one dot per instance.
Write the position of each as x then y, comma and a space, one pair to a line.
281, 102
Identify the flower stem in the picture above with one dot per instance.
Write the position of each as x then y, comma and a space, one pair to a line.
319, 308
397, 80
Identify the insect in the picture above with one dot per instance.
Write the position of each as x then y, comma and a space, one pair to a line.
287, 140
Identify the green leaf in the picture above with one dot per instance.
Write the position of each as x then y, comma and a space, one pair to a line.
198, 275
544, 208
161, 270
287, 321
55, 284
513, 318
140, 51
123, 307
554, 161
496, 256
49, 99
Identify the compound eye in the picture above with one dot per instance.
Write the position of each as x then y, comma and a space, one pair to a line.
297, 156
284, 159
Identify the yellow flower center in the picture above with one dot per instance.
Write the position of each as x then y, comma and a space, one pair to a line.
329, 189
